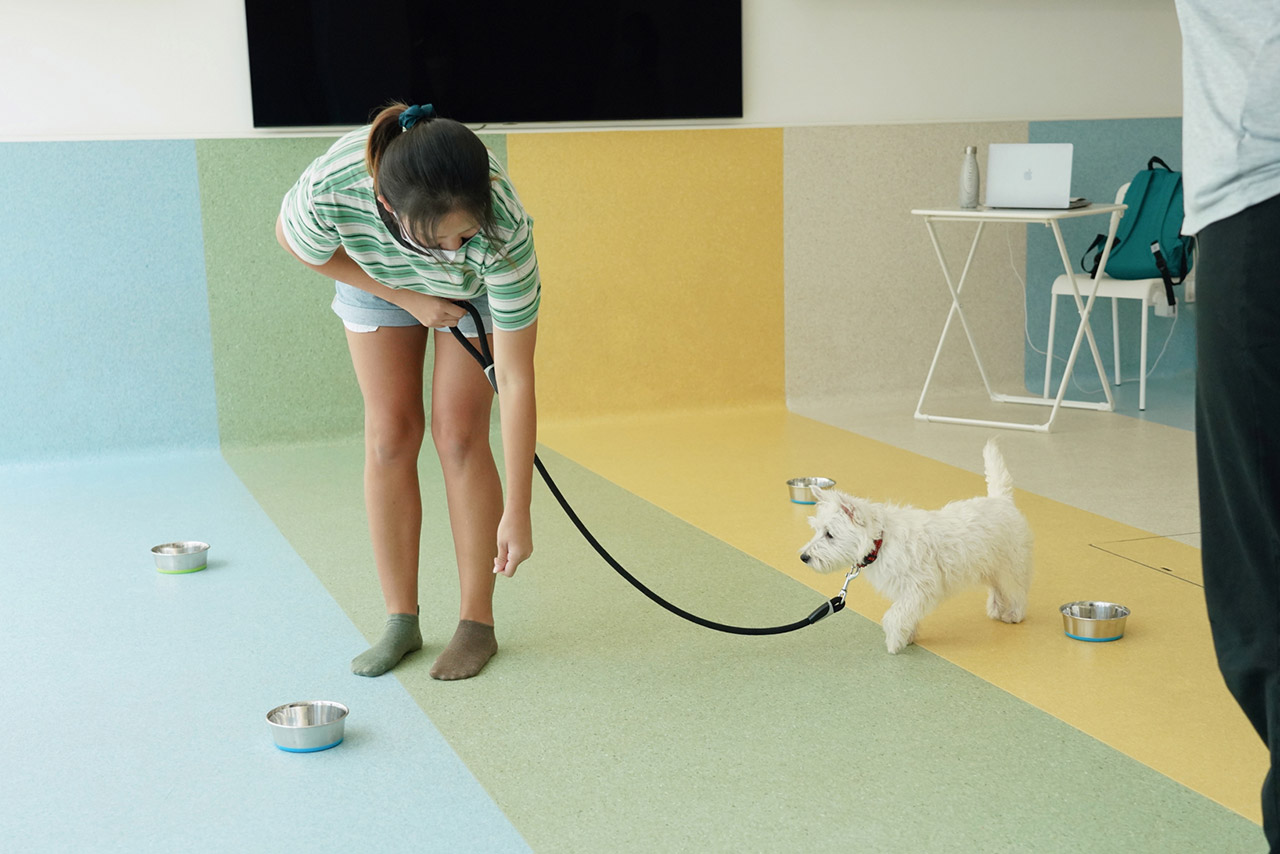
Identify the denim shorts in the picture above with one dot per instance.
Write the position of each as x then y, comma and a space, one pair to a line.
361, 311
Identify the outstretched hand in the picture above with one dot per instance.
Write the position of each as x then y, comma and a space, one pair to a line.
515, 544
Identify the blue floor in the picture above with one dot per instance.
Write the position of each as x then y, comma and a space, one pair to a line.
134, 713
1171, 400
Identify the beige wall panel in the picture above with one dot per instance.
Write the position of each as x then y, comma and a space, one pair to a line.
816, 62
865, 295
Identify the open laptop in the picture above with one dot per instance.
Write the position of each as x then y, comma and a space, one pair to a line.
1034, 175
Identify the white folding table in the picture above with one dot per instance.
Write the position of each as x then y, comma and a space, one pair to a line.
1049, 218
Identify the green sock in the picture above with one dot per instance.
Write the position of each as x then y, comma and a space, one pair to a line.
400, 637
472, 646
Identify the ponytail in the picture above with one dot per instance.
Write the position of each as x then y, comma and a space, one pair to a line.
386, 127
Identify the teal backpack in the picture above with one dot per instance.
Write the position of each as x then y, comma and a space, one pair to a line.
1149, 243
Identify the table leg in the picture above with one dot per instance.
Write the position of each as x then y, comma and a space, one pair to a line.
1084, 309
955, 289
1083, 332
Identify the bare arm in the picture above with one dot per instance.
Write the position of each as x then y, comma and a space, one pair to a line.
517, 403
430, 311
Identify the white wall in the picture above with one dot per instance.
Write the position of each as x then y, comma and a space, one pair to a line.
886, 61
123, 68
74, 69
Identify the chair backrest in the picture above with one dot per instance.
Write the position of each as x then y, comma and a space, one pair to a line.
1124, 188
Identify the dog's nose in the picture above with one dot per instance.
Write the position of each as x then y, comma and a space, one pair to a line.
805, 557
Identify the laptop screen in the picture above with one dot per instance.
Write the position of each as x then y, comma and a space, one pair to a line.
1034, 175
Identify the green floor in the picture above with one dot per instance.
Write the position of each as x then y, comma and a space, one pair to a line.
607, 724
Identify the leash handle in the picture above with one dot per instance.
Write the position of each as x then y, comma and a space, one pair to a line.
483, 355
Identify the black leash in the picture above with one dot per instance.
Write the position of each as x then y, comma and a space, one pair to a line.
836, 603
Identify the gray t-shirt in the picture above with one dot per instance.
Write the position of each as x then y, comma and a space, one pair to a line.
1230, 107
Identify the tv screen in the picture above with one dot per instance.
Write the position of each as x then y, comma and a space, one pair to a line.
329, 63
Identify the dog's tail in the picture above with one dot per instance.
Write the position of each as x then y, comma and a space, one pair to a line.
999, 482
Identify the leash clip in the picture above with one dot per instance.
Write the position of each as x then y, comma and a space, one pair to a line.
853, 573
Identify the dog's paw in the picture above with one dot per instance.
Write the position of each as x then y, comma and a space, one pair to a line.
896, 646
994, 607
1011, 617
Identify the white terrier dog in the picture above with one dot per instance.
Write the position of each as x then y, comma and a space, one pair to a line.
917, 557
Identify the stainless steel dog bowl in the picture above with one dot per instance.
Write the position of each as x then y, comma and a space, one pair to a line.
801, 491
177, 558
308, 726
1094, 621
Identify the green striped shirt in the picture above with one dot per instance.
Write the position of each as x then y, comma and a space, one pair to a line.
333, 204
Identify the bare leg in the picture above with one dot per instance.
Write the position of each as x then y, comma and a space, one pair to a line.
461, 405
388, 365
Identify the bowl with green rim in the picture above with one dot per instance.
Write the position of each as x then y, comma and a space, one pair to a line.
179, 558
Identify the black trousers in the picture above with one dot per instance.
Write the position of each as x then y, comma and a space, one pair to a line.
1238, 458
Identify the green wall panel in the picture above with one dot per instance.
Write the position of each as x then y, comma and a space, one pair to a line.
281, 367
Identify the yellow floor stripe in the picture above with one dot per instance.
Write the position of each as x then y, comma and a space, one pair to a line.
1155, 695
1161, 554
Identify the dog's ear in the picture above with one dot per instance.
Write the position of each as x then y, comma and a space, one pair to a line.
851, 509
819, 494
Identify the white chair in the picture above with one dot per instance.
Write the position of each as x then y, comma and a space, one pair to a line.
1149, 291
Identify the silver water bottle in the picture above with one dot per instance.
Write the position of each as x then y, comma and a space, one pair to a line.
969, 178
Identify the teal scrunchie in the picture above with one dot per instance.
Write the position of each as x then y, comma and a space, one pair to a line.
413, 115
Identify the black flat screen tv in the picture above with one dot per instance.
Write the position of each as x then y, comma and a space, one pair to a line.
321, 63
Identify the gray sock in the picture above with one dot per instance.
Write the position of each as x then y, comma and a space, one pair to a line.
472, 646
400, 637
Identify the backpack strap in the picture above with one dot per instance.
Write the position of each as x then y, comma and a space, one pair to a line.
1163, 267
1091, 266
1161, 264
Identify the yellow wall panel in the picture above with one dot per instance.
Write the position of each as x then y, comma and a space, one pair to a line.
662, 273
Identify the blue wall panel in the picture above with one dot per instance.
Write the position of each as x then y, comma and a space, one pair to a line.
104, 316
1107, 154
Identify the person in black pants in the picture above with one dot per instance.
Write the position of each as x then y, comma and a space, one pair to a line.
1238, 445
1231, 158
